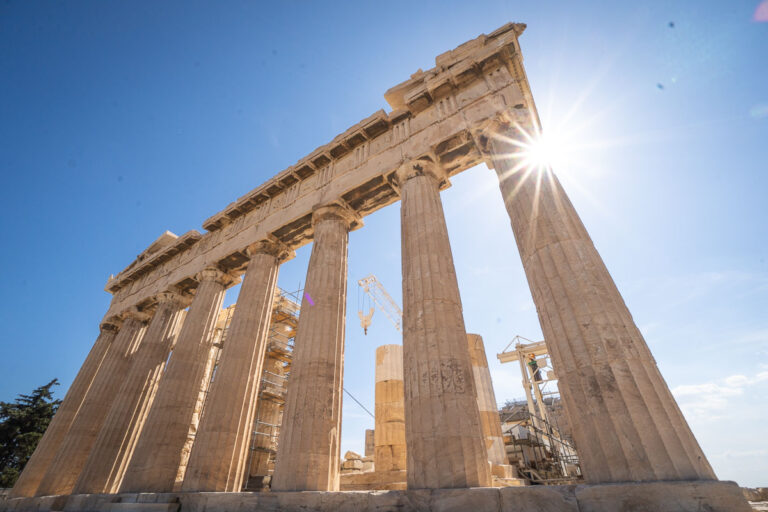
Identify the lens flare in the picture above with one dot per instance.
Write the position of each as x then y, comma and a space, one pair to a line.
538, 151
544, 151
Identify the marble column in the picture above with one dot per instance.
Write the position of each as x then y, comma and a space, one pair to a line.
308, 452
105, 467
77, 444
219, 457
629, 427
486, 401
38, 464
389, 433
444, 437
370, 440
159, 452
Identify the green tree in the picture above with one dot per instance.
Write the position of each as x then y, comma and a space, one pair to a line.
22, 424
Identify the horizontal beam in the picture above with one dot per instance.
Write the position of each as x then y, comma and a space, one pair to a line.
438, 113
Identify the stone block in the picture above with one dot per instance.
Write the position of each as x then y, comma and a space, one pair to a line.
503, 471
145, 497
385, 501
551, 498
46, 503
144, 507
24, 504
351, 501
193, 502
13, 504
477, 499
56, 502
417, 500
373, 480
89, 502
74, 503
697, 496
758, 494
350, 455
355, 464
264, 502
130, 497
166, 497
224, 502
299, 501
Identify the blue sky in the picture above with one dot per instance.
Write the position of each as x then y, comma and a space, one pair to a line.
121, 120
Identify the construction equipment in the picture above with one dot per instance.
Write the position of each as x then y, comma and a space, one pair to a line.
383, 300
534, 360
548, 457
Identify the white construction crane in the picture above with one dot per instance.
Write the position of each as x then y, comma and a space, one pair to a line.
383, 300
536, 370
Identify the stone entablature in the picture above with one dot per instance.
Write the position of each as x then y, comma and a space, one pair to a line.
435, 113
147, 261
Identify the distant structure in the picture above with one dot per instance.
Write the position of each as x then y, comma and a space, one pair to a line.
136, 434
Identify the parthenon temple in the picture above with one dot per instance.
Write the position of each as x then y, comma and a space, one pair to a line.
184, 405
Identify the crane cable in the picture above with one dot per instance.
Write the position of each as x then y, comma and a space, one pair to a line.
358, 402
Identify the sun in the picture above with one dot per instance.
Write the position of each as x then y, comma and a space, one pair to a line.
570, 150
539, 151
542, 150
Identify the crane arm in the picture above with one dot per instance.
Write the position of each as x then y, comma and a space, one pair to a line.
382, 299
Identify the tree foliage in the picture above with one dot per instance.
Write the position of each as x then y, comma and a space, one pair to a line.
22, 424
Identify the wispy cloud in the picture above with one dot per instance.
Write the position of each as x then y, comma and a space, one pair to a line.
711, 400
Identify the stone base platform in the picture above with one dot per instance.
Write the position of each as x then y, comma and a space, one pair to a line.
396, 480
696, 496
380, 480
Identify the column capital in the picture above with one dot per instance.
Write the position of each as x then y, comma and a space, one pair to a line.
515, 124
508, 119
422, 166
112, 323
272, 247
216, 275
498, 123
335, 211
172, 296
134, 313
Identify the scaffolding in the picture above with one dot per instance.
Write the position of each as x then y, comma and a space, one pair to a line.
275, 372
544, 452
274, 381
542, 455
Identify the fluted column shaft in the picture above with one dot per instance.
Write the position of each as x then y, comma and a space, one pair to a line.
38, 464
308, 451
629, 427
443, 433
159, 452
219, 457
71, 457
389, 433
106, 465
486, 401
